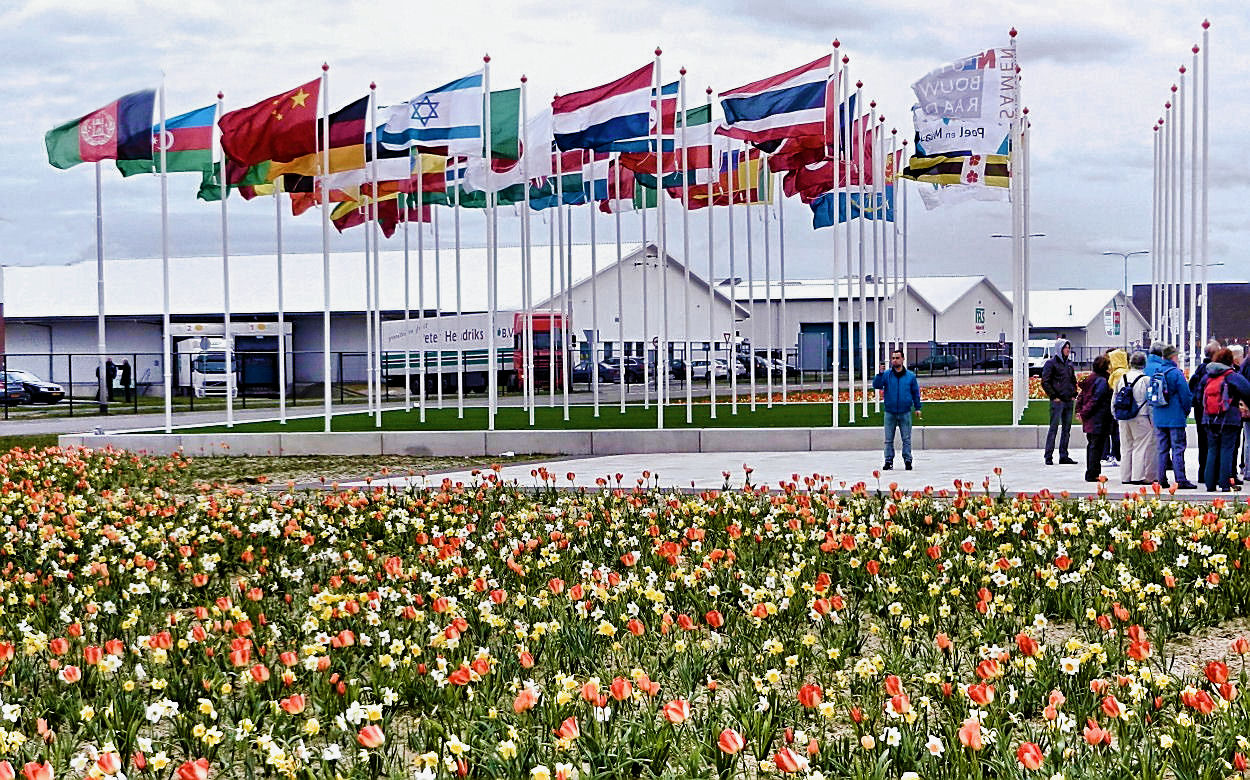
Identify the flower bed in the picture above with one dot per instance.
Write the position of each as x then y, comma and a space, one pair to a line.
975, 391
487, 631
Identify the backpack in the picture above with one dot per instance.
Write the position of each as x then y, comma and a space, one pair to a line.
1157, 392
1124, 406
1215, 400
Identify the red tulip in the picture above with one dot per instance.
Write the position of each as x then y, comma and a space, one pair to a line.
1030, 756
33, 771
893, 685
71, 674
1240, 645
58, 646
1217, 672
730, 742
621, 689
293, 704
1111, 707
635, 627
981, 694
6, 771
900, 704
461, 676
569, 729
371, 736
810, 695
1240, 763
109, 763
1095, 734
714, 619
524, 701
1027, 644
194, 770
677, 711
260, 673
789, 761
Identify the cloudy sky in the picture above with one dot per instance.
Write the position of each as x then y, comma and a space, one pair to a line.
1096, 76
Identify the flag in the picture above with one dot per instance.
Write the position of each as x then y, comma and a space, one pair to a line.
188, 145
698, 155
447, 119
783, 106
741, 179
279, 128
242, 178
506, 172
835, 206
600, 117
347, 144
122, 130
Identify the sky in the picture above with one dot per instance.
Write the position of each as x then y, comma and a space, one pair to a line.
1095, 77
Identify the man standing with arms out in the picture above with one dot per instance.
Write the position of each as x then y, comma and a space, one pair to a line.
901, 394
1170, 402
1059, 384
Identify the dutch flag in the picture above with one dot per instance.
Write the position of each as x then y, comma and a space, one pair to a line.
600, 117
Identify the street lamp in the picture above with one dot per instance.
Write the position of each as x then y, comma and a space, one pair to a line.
1125, 256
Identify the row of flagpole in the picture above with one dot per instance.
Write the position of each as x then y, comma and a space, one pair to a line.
1179, 276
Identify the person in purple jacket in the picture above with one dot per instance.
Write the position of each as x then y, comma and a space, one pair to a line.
1221, 391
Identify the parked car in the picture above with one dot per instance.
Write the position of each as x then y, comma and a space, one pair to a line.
993, 363
677, 369
764, 367
583, 372
38, 391
12, 392
636, 369
785, 368
934, 363
699, 370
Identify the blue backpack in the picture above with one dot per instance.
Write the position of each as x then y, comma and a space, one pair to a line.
1157, 393
1124, 406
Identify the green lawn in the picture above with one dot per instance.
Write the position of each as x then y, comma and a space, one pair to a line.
797, 415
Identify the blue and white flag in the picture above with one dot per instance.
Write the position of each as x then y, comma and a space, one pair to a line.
825, 213
449, 117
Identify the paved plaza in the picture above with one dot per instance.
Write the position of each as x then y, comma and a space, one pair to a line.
1022, 470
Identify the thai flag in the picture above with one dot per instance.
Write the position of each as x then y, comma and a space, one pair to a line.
788, 105
600, 117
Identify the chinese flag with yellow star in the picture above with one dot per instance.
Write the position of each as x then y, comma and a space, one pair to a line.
280, 128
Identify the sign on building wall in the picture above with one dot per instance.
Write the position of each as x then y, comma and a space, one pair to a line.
1111, 320
979, 319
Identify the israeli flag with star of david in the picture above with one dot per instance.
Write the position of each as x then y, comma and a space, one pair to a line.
449, 117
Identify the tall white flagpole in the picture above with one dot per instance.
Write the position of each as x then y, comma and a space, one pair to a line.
895, 186
551, 303
458, 177
857, 153
1206, 148
755, 341
878, 247
366, 230
424, 355
1165, 227
685, 252
527, 360
646, 313
375, 310
594, 291
1154, 240
564, 282
838, 142
1026, 267
277, 217
844, 213
731, 169
225, 280
438, 302
1190, 360
403, 215
327, 390
1195, 325
711, 279
906, 288
662, 367
492, 259
165, 335
765, 173
1016, 185
620, 279
783, 327
102, 383
1178, 245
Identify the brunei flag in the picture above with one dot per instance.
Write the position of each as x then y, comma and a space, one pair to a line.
122, 130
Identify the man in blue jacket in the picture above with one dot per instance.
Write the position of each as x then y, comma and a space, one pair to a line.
901, 394
1170, 419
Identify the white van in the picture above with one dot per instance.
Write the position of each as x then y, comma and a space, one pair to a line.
1039, 352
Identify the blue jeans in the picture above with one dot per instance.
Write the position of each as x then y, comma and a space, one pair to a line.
1170, 442
903, 423
1060, 417
1221, 451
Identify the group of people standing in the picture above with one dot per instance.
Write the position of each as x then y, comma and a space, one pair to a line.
1134, 410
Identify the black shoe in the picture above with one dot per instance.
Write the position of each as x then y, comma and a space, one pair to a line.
1050, 461
1067, 462
889, 466
1095, 479
1186, 486
907, 465
1164, 485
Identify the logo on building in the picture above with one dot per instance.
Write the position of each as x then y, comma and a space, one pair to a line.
979, 319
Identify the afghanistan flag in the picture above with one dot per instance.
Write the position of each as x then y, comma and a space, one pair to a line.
122, 130
188, 145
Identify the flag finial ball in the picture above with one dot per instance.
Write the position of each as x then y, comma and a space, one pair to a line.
658, 52
872, 104
524, 78
859, 85
221, 95
373, 85
893, 131
1012, 32
1182, 70
1206, 24
325, 66
709, 89
836, 43
845, 59
682, 72
1195, 50
1173, 87
1168, 105
485, 58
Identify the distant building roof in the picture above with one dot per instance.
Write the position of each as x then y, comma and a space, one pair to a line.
938, 292
1067, 308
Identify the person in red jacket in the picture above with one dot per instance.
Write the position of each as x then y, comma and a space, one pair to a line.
1094, 406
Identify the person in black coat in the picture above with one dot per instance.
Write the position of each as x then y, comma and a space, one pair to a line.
1195, 379
1059, 384
126, 378
1096, 419
1223, 425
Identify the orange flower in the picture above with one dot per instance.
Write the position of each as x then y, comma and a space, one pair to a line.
371, 736
525, 700
1216, 672
1027, 644
70, 674
621, 689
635, 627
893, 685
900, 704
194, 770
109, 763
260, 673
981, 694
1030, 756
1095, 734
730, 742
293, 704
1111, 707
789, 761
970, 735
988, 669
677, 711
33, 771
461, 676
1240, 646
714, 618
568, 729
810, 695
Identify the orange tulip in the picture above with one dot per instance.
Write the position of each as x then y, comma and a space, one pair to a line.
109, 763
893, 685
677, 711
1217, 672
1240, 645
810, 695
970, 735
194, 770
621, 689
71, 674
730, 742
33, 771
569, 729
1030, 756
714, 619
981, 694
1027, 644
1095, 734
6, 771
260, 673
901, 704
590, 691
789, 761
293, 704
371, 736
525, 700
1111, 707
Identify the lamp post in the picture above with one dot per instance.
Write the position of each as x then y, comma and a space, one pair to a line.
1125, 256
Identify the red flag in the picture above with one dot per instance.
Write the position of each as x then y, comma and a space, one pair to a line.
280, 128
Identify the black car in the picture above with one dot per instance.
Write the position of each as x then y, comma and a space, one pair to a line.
934, 363
636, 369
993, 363
583, 372
12, 393
37, 390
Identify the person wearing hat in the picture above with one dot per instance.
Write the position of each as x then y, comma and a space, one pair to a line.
1170, 418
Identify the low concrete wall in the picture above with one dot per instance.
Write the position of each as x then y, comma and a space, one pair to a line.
572, 442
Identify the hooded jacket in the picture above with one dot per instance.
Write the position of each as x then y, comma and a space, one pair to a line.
1238, 390
1176, 413
1059, 375
1099, 418
1119, 366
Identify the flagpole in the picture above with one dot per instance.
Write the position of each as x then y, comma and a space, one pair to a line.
768, 291
783, 326
663, 368
685, 239
225, 280
1206, 147
407, 306
424, 354
594, 292
376, 310
711, 277
325, 241
457, 178
844, 214
438, 296
731, 169
1194, 322
102, 383
839, 136
1025, 267
368, 308
620, 281
897, 342
1154, 237
1189, 359
527, 359
858, 153
878, 247
165, 335
492, 258
564, 282
646, 295
1017, 232
277, 213
1165, 226
906, 287
1176, 188
551, 304
755, 341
